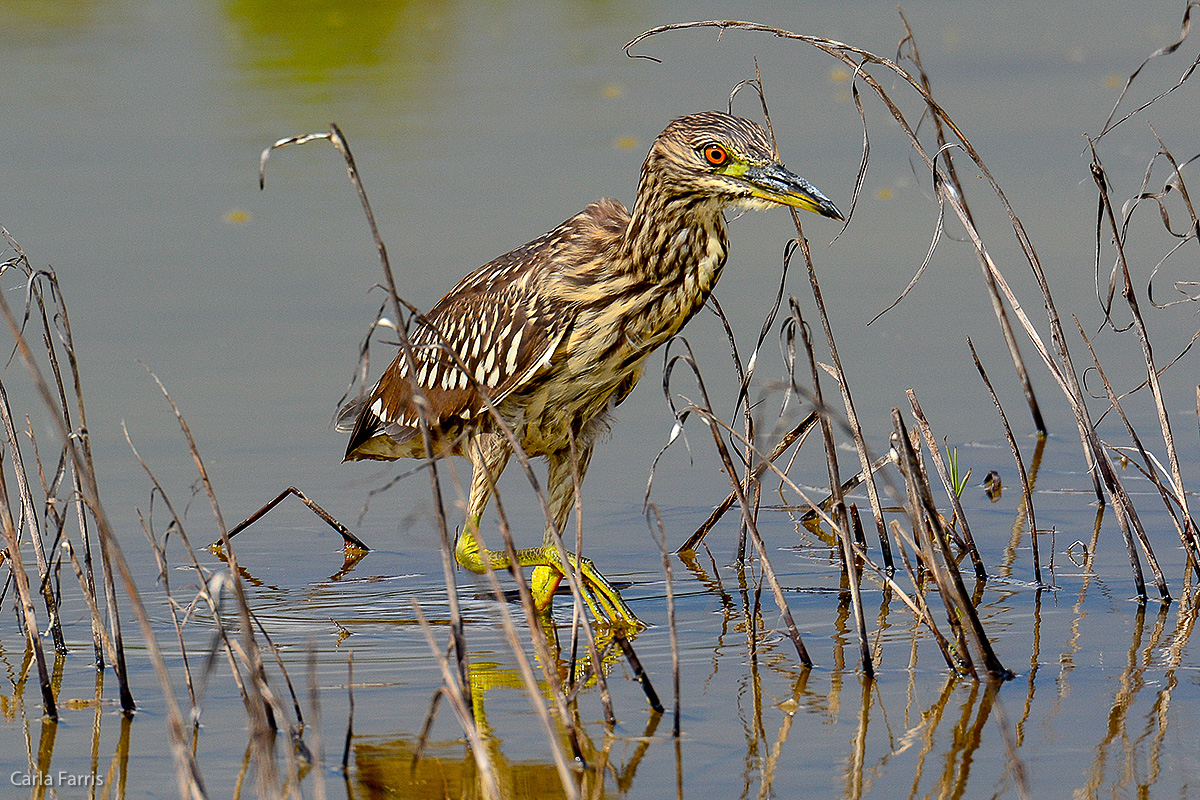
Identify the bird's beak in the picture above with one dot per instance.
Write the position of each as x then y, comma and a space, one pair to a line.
775, 183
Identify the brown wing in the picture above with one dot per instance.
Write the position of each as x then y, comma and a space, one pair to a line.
490, 334
493, 333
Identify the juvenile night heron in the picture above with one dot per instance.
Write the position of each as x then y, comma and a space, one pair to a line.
556, 332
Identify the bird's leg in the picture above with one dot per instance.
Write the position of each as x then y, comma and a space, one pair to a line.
602, 597
489, 455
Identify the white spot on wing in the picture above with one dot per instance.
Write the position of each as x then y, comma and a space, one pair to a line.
510, 362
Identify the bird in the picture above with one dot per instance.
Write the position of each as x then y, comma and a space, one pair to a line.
553, 335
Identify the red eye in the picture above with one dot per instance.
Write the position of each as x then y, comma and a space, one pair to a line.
716, 155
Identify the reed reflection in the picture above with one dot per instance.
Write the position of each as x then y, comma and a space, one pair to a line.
405, 766
49, 770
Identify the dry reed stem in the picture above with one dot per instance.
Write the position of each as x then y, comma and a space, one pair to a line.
849, 485
661, 540
29, 518
339, 142
206, 582
839, 504
61, 415
714, 425
350, 542
860, 443
261, 700
93, 609
919, 606
314, 704
940, 465
349, 714
910, 470
1006, 328
1026, 491
65, 407
959, 602
160, 556
24, 598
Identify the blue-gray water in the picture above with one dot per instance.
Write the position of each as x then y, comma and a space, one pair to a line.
129, 144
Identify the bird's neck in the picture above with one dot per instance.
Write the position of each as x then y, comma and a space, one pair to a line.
675, 238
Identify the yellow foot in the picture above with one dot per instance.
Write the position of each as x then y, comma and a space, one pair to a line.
603, 599
601, 596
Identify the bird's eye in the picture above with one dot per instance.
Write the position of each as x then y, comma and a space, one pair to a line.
715, 155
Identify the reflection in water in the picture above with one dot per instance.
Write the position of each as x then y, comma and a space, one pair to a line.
891, 737
957, 730
1021, 519
400, 767
915, 731
321, 41
41, 773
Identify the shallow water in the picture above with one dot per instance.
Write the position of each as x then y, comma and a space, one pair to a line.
129, 161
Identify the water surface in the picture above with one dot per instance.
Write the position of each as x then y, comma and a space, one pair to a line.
129, 161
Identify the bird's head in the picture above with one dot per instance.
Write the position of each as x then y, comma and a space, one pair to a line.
729, 160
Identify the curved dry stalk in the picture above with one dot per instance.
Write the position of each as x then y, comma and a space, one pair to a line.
1185, 29
1189, 534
